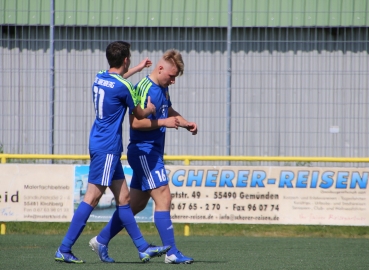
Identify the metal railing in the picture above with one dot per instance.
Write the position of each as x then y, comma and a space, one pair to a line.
187, 159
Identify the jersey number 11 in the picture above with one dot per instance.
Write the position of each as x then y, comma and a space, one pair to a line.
99, 95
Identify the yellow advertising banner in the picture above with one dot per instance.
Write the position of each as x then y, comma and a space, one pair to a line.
32, 192
269, 195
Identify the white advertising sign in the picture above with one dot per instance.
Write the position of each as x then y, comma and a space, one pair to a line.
200, 194
32, 192
269, 195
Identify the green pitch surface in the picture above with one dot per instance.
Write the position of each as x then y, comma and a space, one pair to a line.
209, 252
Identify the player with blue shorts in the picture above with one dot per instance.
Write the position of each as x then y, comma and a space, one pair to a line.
112, 95
146, 150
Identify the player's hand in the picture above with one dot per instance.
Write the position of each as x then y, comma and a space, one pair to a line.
191, 127
151, 106
144, 64
172, 122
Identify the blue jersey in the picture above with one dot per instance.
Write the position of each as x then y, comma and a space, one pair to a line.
112, 94
153, 139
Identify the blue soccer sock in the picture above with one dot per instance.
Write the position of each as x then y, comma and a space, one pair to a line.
129, 222
164, 226
76, 226
111, 229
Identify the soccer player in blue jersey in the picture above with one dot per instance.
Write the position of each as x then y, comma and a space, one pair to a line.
112, 94
146, 150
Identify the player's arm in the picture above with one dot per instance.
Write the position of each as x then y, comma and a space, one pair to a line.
143, 113
190, 126
144, 63
148, 124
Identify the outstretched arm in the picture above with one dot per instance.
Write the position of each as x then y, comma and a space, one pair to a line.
148, 124
190, 126
144, 63
143, 113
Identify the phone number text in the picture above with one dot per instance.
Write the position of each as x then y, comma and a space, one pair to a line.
217, 206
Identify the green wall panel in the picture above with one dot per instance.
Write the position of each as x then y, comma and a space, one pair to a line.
187, 13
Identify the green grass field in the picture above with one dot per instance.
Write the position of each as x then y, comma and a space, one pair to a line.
52, 228
209, 252
32, 246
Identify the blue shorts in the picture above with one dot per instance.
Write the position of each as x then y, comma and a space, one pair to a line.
148, 170
104, 168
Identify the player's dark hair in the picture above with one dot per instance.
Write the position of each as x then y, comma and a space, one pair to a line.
173, 56
116, 52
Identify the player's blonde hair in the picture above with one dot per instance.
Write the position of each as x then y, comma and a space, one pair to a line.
174, 57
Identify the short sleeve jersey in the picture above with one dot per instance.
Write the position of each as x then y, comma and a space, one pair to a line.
153, 139
112, 95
